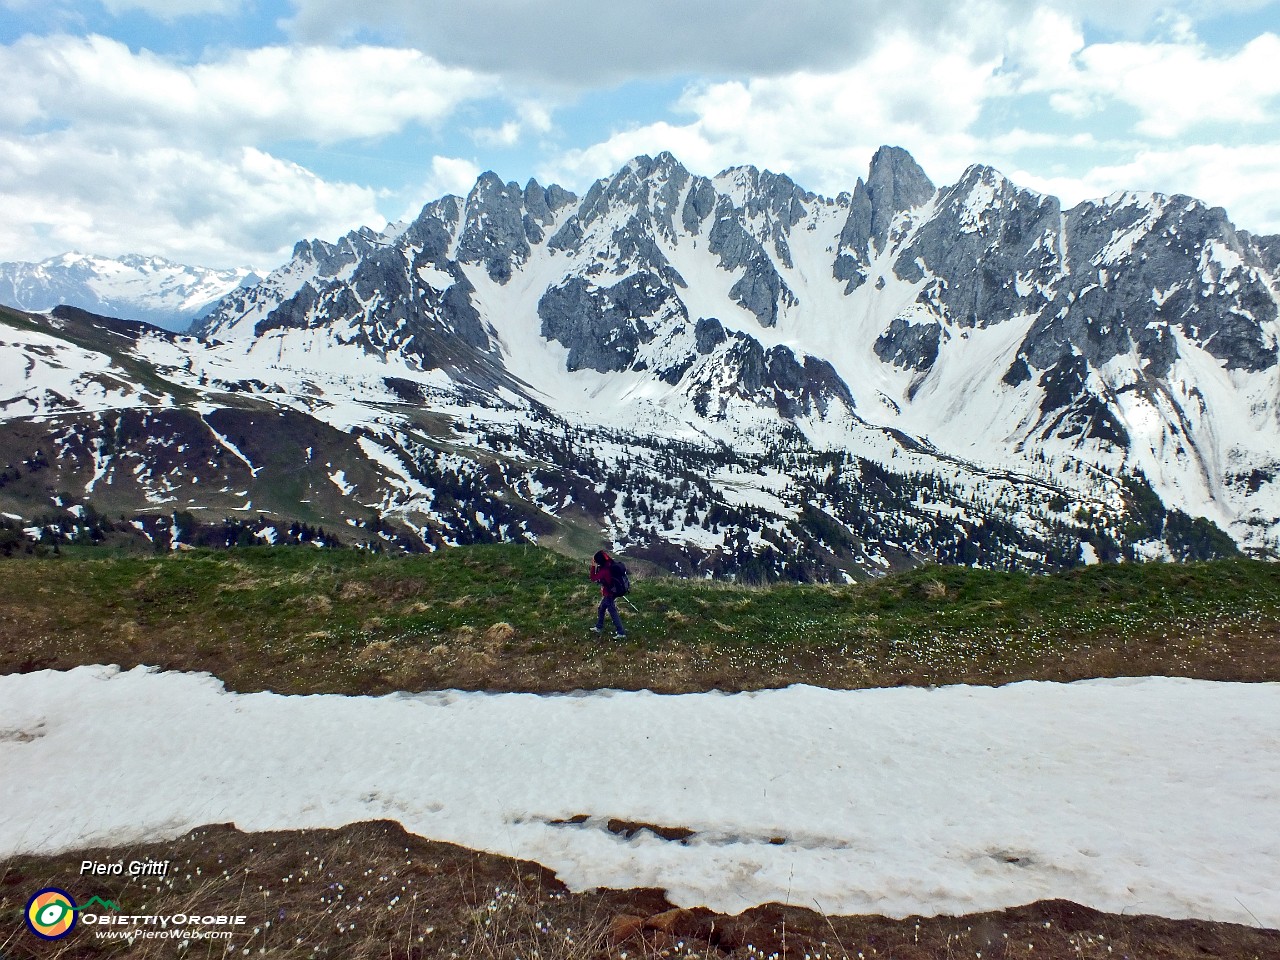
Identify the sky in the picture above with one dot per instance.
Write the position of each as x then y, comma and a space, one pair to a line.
220, 132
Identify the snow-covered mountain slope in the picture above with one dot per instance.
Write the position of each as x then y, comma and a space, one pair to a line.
1136, 335
150, 289
737, 375
102, 417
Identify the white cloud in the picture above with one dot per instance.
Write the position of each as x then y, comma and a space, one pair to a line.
314, 94
108, 150
453, 175
938, 99
534, 117
507, 135
1245, 180
1040, 57
231, 208
821, 128
583, 43
149, 153
1175, 87
1138, 17
172, 9
1172, 86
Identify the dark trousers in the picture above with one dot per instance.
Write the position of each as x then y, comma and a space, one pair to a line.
610, 604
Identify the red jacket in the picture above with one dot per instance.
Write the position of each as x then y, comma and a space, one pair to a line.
603, 575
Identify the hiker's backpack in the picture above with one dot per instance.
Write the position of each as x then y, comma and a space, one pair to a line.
620, 580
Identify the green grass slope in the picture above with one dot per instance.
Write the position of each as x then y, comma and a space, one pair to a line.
302, 620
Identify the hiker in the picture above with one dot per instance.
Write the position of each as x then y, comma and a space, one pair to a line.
612, 577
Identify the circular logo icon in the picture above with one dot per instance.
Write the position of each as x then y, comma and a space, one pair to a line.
51, 913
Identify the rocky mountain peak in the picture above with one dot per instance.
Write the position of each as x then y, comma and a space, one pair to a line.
665, 166
496, 230
895, 184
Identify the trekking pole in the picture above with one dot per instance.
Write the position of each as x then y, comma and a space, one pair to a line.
630, 604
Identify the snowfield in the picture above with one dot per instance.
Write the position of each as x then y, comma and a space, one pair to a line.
1147, 795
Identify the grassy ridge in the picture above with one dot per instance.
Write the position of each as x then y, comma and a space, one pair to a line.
298, 620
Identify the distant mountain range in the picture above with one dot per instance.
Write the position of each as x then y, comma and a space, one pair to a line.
150, 289
718, 375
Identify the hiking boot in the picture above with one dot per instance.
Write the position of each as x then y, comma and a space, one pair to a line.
622, 635
597, 629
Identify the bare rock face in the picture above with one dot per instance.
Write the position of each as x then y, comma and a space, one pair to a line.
911, 345
895, 185
496, 233
601, 327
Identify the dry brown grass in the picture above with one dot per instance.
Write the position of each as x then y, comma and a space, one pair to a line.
500, 633
935, 590
373, 891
